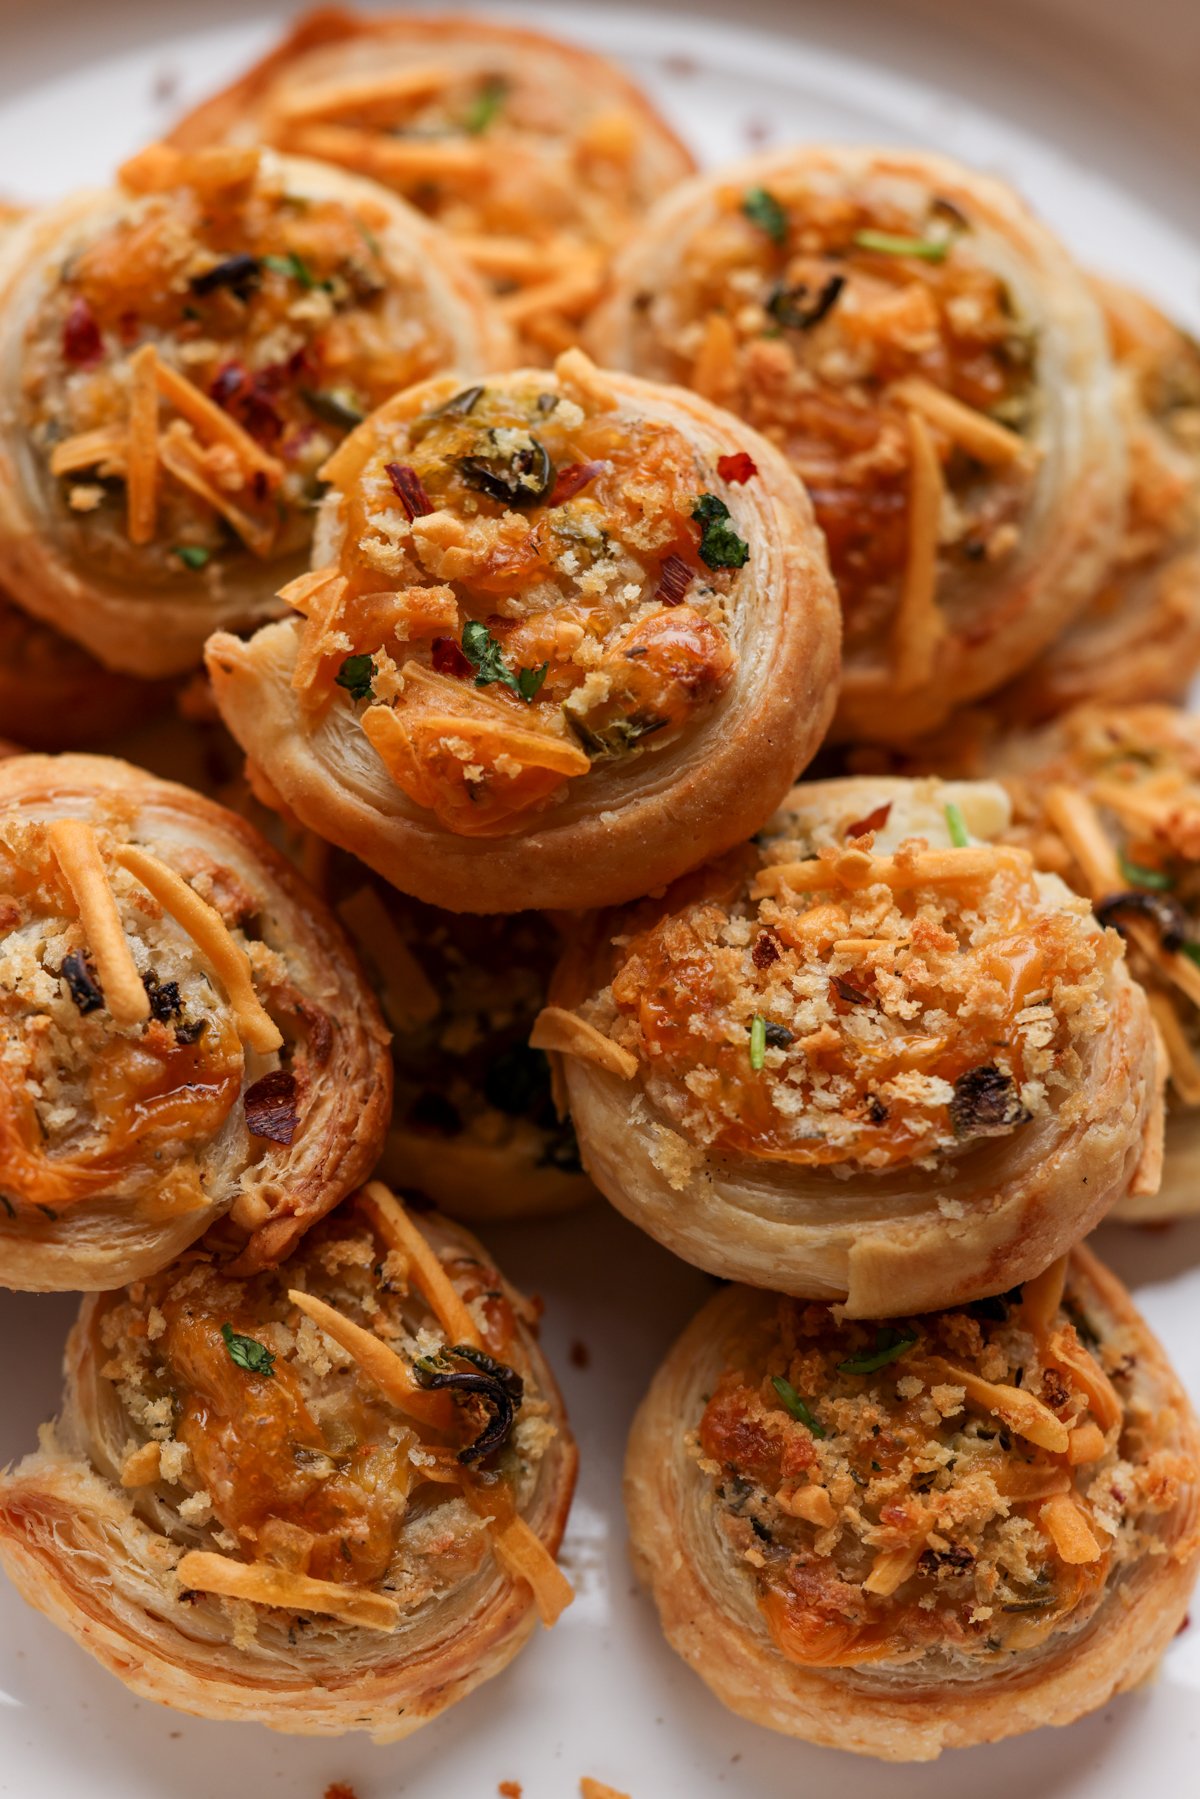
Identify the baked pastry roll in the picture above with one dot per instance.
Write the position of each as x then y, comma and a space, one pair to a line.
538, 156
474, 1127
1139, 640
188, 1039
902, 1539
178, 356
326, 1498
1111, 796
936, 370
871, 1057
566, 635
54, 696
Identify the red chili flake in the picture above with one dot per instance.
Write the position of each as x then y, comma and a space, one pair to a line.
271, 1107
874, 821
81, 341
129, 325
847, 991
675, 577
448, 658
247, 398
571, 479
406, 484
737, 468
765, 951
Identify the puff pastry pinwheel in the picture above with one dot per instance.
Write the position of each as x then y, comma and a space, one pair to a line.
188, 1041
901, 1539
870, 1057
1111, 796
1139, 640
935, 368
178, 356
538, 156
567, 634
54, 696
326, 1498
474, 1127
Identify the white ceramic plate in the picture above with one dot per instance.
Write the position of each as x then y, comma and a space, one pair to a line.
1088, 136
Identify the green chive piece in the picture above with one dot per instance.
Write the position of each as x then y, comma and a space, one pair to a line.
486, 105
356, 675
192, 555
887, 243
889, 1347
249, 1353
795, 1405
763, 209
758, 1041
1138, 875
960, 837
483, 651
294, 268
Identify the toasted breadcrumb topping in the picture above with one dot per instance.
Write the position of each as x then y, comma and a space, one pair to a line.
958, 1486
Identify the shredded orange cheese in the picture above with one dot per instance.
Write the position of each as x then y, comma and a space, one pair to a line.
1019, 1410
213, 423
389, 1371
1068, 1529
564, 1032
106, 448
1185, 1069
141, 490
857, 868
397, 1227
521, 1553
980, 436
409, 996
78, 855
393, 159
362, 96
919, 626
264, 1585
205, 926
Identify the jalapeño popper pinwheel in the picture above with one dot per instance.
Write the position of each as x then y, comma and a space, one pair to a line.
871, 1057
189, 1042
1139, 639
1111, 796
901, 1539
177, 358
934, 367
566, 634
325, 1498
538, 156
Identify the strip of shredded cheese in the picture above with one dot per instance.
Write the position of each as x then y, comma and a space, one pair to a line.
394, 159
77, 852
1075, 820
203, 1572
1019, 1410
1185, 1069
919, 625
974, 862
714, 372
361, 96
976, 433
564, 1032
106, 448
512, 258
141, 476
1063, 1520
397, 1227
410, 998
1042, 1297
1087, 1444
205, 926
596, 1789
521, 1553
1078, 1361
182, 457
571, 291
215, 424
389, 1371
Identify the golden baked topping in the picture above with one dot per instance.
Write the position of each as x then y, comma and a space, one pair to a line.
962, 1483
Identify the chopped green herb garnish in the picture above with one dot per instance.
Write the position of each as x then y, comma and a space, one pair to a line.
482, 649
796, 1405
887, 243
356, 675
486, 105
758, 1041
336, 405
720, 545
1191, 951
960, 837
294, 268
889, 1347
248, 1353
1138, 875
763, 209
192, 555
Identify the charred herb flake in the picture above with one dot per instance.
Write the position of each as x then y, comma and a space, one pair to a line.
1158, 909
192, 555
82, 983
763, 209
356, 675
499, 1387
240, 274
985, 1102
514, 477
799, 309
720, 545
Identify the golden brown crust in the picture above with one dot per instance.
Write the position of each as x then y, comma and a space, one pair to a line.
914, 1236
335, 1045
712, 1620
91, 1545
992, 614
151, 617
627, 825
566, 179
